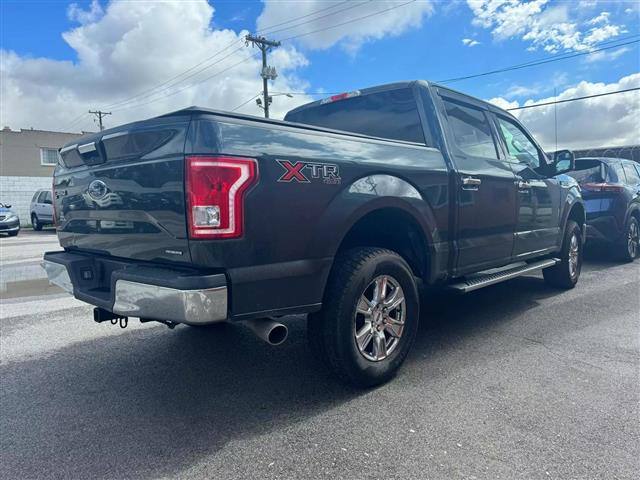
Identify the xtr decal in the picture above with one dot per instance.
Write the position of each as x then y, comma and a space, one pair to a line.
328, 172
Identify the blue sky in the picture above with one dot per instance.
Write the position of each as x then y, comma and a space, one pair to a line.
426, 43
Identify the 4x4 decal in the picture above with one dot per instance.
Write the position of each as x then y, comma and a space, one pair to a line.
328, 172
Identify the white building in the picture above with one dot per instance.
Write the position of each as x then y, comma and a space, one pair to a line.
27, 160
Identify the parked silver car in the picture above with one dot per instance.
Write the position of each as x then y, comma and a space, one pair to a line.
41, 209
9, 221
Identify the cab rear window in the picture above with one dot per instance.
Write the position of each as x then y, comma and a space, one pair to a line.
389, 114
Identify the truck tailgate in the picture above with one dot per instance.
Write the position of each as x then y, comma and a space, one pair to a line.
121, 192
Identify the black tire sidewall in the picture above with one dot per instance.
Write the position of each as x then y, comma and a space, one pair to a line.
357, 366
35, 223
626, 256
573, 228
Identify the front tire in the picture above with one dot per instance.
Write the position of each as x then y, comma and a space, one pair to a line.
369, 318
35, 223
566, 273
630, 244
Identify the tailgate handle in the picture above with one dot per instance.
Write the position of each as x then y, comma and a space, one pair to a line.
87, 148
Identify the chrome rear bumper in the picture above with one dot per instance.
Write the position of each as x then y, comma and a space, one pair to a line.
151, 301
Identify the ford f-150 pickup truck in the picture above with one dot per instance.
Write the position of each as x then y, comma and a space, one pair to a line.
341, 212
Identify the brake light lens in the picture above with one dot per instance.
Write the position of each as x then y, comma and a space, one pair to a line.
340, 96
53, 203
602, 187
215, 188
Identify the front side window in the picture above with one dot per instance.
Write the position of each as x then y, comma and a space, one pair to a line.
519, 147
631, 173
48, 156
471, 130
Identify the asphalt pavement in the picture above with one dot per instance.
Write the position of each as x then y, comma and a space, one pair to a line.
512, 381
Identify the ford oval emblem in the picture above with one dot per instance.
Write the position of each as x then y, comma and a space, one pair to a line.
97, 189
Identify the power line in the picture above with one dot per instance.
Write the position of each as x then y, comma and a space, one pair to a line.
350, 7
573, 99
175, 77
348, 22
539, 62
294, 19
244, 103
290, 38
187, 86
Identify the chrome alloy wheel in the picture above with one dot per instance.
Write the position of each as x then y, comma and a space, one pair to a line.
633, 238
379, 318
574, 255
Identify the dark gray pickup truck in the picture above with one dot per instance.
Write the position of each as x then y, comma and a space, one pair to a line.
339, 212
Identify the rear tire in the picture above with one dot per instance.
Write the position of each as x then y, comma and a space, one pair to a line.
566, 273
35, 223
369, 317
629, 246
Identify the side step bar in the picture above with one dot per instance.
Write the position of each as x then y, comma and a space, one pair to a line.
484, 280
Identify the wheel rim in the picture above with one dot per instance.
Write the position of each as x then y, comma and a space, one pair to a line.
632, 239
34, 221
379, 318
574, 255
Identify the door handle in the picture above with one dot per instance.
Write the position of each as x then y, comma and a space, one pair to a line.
470, 183
523, 185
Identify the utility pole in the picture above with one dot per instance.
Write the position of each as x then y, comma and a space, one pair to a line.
268, 73
99, 114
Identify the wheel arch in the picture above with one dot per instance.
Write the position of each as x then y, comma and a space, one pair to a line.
352, 219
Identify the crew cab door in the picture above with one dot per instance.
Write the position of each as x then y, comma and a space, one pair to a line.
538, 197
485, 186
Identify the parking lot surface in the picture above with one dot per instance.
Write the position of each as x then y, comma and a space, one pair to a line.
512, 381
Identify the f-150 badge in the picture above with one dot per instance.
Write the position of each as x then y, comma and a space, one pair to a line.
305, 172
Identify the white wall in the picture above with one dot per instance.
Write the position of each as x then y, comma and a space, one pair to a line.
18, 192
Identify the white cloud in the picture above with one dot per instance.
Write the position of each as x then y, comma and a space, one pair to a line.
131, 47
551, 27
469, 42
611, 120
382, 20
75, 13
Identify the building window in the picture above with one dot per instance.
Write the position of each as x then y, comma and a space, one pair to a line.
48, 156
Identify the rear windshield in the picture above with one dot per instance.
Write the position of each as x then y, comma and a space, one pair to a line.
390, 114
588, 171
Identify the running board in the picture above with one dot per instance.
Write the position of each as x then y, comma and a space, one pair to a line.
480, 281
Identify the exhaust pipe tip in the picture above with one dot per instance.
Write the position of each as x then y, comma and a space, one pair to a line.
278, 334
274, 333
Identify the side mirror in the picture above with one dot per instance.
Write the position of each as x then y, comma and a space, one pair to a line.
563, 161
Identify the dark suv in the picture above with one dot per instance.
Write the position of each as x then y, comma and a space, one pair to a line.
611, 192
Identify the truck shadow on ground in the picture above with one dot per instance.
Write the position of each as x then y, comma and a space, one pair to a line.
150, 403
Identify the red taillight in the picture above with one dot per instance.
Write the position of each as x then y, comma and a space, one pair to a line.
215, 188
53, 203
602, 187
340, 96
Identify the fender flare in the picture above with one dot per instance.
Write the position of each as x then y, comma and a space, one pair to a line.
359, 199
572, 199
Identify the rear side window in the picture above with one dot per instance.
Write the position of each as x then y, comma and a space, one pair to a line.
42, 196
471, 130
390, 114
615, 174
35, 197
631, 173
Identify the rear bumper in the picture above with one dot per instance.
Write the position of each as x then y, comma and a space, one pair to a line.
128, 289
